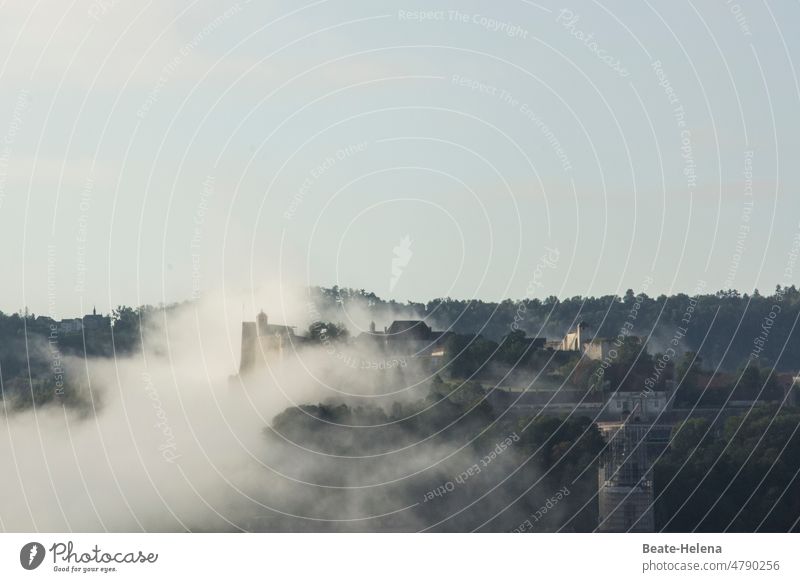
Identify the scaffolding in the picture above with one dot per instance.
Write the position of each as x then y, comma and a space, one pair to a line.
625, 475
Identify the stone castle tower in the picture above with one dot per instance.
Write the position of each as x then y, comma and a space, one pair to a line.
260, 340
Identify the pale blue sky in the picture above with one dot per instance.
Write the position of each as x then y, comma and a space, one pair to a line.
114, 114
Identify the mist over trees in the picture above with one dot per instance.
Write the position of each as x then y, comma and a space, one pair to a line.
726, 331
722, 329
458, 457
486, 471
35, 353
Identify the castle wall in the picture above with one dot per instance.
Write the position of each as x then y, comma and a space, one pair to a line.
248, 358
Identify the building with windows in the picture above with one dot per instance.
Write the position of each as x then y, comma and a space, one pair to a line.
411, 338
68, 326
639, 405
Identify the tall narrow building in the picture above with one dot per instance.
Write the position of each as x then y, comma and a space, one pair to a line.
625, 479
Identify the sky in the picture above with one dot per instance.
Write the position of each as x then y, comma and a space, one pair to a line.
153, 152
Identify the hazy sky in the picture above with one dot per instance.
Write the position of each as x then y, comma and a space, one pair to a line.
150, 151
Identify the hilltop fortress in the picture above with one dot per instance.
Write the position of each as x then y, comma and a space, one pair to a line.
261, 338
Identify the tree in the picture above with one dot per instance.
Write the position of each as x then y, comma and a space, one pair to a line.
749, 384
688, 434
320, 332
515, 348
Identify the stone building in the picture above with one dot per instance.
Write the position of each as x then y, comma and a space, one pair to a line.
594, 347
412, 338
261, 340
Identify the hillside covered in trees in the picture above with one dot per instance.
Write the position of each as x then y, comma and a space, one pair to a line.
726, 328
729, 332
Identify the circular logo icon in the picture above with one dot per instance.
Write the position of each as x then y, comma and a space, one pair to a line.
31, 555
